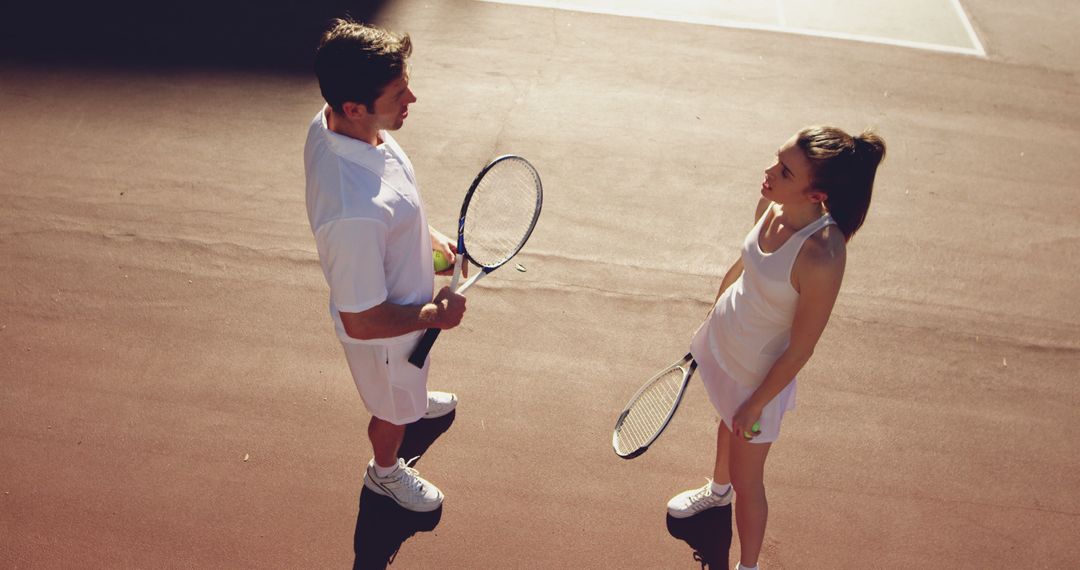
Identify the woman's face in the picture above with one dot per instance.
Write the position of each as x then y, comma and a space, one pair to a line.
787, 181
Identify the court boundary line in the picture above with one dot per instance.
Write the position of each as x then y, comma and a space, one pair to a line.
972, 35
977, 50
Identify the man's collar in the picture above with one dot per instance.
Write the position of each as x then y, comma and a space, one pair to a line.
354, 150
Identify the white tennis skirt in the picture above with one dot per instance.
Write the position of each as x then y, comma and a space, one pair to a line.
392, 389
727, 395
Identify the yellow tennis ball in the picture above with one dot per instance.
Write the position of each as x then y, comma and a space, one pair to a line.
754, 430
441, 263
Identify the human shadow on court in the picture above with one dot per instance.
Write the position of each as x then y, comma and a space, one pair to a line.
238, 34
381, 525
708, 533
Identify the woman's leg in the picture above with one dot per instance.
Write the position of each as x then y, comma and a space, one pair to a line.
694, 501
747, 470
721, 472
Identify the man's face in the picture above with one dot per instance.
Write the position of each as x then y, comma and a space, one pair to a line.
392, 106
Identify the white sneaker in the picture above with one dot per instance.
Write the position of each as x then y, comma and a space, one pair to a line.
692, 502
439, 404
405, 487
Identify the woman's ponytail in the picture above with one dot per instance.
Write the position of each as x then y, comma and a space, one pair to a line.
843, 168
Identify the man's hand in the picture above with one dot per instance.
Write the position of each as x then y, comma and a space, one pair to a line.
448, 249
449, 308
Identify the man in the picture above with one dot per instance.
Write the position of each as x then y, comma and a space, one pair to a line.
375, 246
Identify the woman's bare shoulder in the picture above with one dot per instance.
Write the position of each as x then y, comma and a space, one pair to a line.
762, 205
826, 247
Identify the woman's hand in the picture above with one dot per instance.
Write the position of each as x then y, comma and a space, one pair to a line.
743, 422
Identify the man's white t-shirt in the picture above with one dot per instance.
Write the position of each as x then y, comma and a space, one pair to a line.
369, 225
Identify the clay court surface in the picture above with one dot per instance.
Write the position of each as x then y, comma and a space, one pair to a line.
172, 394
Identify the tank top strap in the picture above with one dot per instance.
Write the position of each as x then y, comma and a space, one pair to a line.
799, 238
814, 226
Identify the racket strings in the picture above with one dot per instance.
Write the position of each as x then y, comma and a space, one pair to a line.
646, 417
501, 212
648, 413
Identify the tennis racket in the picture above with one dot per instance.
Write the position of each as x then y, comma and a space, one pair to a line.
651, 409
497, 217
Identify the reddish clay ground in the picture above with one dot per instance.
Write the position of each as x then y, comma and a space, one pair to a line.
173, 396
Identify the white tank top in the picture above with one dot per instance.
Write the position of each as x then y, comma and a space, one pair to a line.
750, 326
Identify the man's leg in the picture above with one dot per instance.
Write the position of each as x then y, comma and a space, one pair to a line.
385, 439
393, 389
389, 476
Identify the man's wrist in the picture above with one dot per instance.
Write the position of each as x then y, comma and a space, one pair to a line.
429, 314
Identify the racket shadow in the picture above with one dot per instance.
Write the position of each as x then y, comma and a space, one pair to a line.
382, 526
708, 533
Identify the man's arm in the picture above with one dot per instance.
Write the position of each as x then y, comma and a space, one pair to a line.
354, 250
387, 320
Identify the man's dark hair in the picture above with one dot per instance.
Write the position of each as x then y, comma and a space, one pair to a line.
354, 62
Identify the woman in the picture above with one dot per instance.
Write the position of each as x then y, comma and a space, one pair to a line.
771, 309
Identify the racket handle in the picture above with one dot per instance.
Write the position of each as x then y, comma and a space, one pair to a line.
420, 353
457, 272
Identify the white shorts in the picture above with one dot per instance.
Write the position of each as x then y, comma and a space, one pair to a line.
392, 389
726, 394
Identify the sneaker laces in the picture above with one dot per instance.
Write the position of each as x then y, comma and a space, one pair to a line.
702, 493
701, 497
410, 477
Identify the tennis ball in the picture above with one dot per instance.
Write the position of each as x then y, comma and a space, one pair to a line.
441, 263
754, 430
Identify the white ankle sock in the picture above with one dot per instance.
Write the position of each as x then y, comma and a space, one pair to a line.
384, 471
718, 489
741, 567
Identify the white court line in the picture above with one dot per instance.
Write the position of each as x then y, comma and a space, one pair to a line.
976, 50
962, 14
781, 17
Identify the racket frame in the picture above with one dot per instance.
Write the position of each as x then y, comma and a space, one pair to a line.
423, 347
688, 366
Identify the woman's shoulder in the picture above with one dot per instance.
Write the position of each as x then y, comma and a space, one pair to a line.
762, 205
825, 248
820, 263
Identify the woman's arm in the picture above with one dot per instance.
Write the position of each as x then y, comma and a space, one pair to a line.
818, 271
